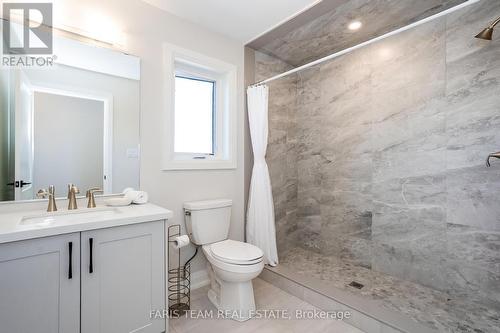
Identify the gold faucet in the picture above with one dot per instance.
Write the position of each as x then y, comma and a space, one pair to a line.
91, 197
72, 192
495, 155
51, 193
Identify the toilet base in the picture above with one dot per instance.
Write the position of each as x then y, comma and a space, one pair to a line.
233, 300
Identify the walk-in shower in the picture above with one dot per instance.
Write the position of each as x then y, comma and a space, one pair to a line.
377, 159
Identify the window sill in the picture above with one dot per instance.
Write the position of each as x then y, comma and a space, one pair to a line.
199, 165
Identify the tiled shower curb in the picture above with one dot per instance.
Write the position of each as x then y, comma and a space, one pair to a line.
367, 315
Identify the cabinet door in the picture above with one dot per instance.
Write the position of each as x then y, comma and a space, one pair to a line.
37, 291
123, 278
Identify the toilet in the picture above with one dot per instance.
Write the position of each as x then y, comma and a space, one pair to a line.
231, 264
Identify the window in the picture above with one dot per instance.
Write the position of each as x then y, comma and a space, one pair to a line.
200, 113
195, 116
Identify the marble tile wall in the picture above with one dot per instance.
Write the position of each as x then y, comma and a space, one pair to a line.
377, 157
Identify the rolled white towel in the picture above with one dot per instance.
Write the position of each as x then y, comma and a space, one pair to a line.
137, 197
141, 198
128, 189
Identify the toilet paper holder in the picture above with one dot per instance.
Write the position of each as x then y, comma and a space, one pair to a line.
179, 276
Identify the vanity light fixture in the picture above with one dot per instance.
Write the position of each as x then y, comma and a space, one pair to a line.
355, 25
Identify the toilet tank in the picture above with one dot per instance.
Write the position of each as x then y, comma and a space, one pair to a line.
208, 221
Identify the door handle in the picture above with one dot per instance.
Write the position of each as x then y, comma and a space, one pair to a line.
23, 183
18, 183
91, 265
70, 270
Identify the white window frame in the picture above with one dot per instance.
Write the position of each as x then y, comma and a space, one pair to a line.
183, 62
191, 72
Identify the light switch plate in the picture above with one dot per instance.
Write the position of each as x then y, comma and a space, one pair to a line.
132, 153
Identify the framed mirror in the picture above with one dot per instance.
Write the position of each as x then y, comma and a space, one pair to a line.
76, 121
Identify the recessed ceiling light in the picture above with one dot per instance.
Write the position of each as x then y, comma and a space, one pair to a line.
355, 25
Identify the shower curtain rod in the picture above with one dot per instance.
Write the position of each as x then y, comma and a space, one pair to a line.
368, 42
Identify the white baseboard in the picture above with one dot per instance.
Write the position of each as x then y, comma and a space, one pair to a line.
199, 279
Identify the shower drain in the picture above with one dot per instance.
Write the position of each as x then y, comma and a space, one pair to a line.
356, 285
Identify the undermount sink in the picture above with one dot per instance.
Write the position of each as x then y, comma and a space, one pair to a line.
70, 216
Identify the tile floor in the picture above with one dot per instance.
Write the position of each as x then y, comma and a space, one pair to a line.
432, 308
267, 297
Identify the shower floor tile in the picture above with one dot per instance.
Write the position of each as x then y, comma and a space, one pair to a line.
427, 306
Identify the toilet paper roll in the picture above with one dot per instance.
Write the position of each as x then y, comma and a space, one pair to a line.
180, 241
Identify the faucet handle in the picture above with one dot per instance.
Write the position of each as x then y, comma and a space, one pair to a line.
51, 193
93, 190
495, 155
90, 195
42, 193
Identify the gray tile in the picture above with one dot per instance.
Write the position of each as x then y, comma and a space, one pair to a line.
377, 161
472, 197
427, 306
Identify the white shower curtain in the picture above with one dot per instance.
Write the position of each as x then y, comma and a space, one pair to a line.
260, 228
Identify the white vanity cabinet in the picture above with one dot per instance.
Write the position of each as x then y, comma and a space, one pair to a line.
40, 285
117, 278
123, 278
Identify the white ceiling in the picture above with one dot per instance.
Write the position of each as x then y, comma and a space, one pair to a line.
242, 20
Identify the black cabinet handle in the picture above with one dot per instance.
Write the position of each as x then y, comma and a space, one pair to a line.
91, 266
70, 270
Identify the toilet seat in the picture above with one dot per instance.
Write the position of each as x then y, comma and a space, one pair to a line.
233, 268
236, 253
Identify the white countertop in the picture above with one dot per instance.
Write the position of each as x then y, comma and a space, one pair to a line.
11, 230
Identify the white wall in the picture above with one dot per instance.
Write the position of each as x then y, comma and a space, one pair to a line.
145, 29
71, 151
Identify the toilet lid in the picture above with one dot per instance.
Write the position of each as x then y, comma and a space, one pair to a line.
235, 252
